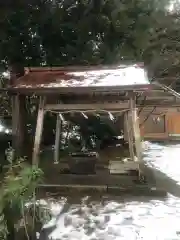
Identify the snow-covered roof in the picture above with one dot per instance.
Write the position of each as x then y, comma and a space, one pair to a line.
120, 76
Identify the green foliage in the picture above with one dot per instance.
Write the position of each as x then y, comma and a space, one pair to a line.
20, 181
78, 32
3, 228
17, 188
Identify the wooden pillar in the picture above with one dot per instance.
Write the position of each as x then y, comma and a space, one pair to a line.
19, 130
57, 139
135, 127
38, 133
129, 132
19, 115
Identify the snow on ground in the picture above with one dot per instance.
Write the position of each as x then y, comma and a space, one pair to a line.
119, 218
165, 158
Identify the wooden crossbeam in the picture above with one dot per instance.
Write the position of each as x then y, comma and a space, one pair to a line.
106, 106
81, 107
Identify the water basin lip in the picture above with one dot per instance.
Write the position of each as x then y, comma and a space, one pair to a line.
84, 154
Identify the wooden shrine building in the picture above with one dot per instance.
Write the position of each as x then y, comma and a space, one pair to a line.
114, 90
159, 112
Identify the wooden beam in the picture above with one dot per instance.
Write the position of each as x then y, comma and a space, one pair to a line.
81, 107
39, 129
157, 98
57, 139
104, 106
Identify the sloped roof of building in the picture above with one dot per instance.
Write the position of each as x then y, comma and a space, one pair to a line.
126, 77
